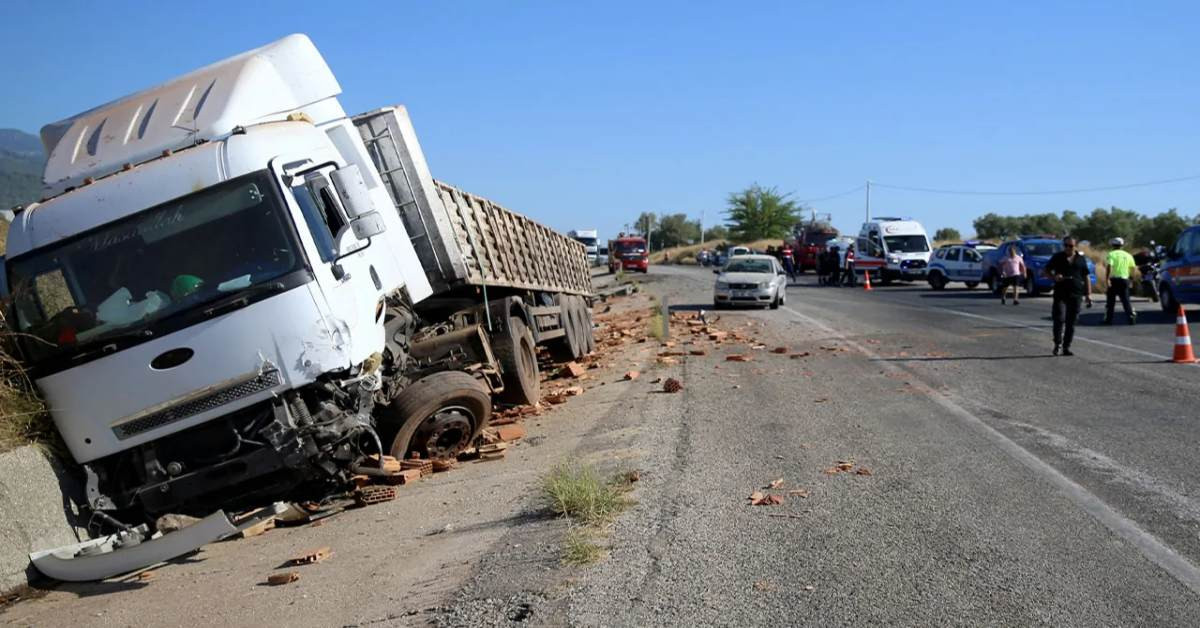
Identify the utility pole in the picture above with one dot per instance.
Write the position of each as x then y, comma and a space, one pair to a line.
702, 226
868, 200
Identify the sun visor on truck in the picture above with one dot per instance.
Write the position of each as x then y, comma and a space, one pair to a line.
261, 85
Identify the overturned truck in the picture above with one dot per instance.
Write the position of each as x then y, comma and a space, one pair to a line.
235, 293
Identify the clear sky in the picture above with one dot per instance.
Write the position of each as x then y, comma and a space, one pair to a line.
582, 114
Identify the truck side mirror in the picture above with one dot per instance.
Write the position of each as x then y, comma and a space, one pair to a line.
367, 225
356, 198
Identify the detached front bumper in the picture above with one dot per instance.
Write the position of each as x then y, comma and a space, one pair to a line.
738, 296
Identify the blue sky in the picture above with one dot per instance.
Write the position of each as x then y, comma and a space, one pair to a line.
584, 114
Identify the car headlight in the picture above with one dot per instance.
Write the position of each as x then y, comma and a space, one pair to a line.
762, 285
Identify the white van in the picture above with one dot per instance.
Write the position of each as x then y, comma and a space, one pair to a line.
893, 249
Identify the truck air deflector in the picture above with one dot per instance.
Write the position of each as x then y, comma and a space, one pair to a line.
266, 379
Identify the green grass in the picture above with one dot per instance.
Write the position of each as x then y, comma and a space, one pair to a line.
582, 494
580, 548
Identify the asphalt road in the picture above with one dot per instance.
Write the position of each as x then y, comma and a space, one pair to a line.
1007, 486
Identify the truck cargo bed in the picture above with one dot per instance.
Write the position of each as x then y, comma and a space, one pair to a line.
463, 239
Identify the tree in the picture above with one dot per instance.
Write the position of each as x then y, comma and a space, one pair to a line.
758, 213
675, 230
1162, 229
947, 233
1104, 224
719, 232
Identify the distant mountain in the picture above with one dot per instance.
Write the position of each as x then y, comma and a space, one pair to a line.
21, 161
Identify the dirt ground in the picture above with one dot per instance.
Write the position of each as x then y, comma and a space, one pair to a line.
400, 562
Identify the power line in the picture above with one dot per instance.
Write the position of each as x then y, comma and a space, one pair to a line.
833, 196
1105, 188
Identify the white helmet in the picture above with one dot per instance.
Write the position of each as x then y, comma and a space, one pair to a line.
1117, 241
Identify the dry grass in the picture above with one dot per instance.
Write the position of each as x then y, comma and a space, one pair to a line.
687, 254
24, 419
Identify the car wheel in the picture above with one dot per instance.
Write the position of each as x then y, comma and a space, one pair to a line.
775, 302
1031, 287
937, 281
1166, 300
993, 285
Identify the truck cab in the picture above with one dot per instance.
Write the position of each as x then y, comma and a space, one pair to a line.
628, 253
589, 238
895, 248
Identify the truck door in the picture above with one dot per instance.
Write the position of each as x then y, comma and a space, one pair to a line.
348, 279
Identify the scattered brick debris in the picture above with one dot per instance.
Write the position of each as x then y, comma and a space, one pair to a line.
632, 375
862, 471
147, 576
738, 357
759, 499
555, 398
374, 494
779, 350
440, 466
312, 556
841, 466
667, 361
286, 577
574, 369
821, 400
775, 483
698, 352
424, 466
672, 385
799, 492
259, 528
758, 347
510, 432
572, 391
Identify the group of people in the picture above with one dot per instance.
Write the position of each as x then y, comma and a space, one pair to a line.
834, 270
1073, 287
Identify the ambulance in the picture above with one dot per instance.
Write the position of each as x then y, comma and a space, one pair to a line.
893, 249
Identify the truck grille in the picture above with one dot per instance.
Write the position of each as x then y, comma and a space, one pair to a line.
265, 380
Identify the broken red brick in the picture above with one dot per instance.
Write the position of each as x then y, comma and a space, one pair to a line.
286, 577
511, 432
574, 369
632, 375
738, 357
312, 556
672, 385
779, 350
698, 352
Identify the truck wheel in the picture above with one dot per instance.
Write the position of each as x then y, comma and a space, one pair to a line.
567, 347
589, 329
517, 354
582, 329
439, 415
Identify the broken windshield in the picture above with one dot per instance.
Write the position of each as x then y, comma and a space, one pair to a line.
126, 275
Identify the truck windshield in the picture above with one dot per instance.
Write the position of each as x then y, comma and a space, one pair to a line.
122, 277
630, 248
906, 244
586, 241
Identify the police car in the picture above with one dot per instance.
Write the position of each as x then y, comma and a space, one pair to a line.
1179, 280
957, 262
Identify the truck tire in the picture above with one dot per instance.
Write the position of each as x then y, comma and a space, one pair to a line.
439, 415
567, 346
517, 354
589, 327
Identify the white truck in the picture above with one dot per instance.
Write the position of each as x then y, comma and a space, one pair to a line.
893, 249
590, 239
234, 293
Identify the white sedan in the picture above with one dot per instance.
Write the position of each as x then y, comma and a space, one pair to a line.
751, 280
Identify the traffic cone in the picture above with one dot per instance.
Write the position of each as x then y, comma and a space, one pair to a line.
1183, 340
867, 281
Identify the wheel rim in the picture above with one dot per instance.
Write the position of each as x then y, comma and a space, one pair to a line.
444, 432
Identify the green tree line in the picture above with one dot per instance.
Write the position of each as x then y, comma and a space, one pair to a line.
1099, 226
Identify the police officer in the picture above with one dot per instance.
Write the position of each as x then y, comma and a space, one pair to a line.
1069, 270
1118, 267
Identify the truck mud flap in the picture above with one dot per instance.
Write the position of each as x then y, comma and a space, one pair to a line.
98, 559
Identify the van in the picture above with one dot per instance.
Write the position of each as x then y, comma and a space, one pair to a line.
896, 248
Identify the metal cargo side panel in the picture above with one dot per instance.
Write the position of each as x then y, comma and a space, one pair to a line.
390, 139
503, 248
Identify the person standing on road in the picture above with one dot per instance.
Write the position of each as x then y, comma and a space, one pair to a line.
1118, 267
850, 278
835, 266
1069, 270
1012, 271
789, 262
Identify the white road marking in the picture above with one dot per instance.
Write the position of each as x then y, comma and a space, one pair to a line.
1149, 545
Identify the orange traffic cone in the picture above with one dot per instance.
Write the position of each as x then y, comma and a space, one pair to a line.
1183, 340
867, 281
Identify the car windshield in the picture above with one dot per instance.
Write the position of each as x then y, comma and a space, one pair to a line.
1042, 249
906, 243
125, 275
748, 266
